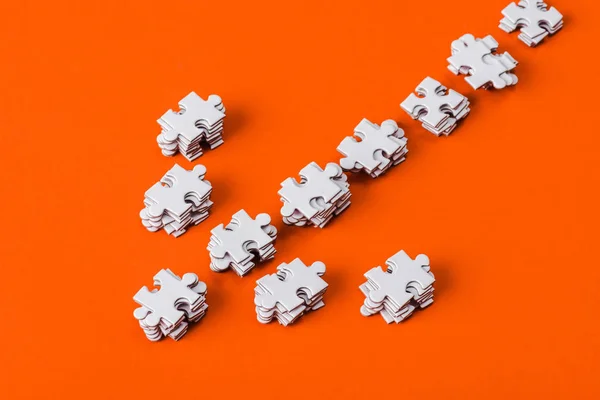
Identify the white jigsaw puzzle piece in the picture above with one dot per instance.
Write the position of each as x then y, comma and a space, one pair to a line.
177, 190
297, 277
194, 117
241, 235
402, 272
476, 59
316, 187
533, 18
374, 139
166, 303
434, 104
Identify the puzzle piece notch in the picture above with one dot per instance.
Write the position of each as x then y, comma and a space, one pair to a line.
315, 188
193, 119
477, 59
376, 145
177, 189
165, 303
241, 236
284, 286
402, 272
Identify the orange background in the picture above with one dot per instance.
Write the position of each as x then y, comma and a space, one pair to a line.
506, 207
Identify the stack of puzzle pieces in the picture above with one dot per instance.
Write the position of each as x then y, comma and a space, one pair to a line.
436, 107
170, 310
397, 292
533, 18
197, 121
181, 199
477, 59
317, 198
242, 243
291, 292
373, 148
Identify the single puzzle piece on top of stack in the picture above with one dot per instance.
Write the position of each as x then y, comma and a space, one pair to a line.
317, 198
533, 18
373, 148
169, 310
181, 199
438, 108
477, 59
242, 243
197, 121
395, 293
290, 293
